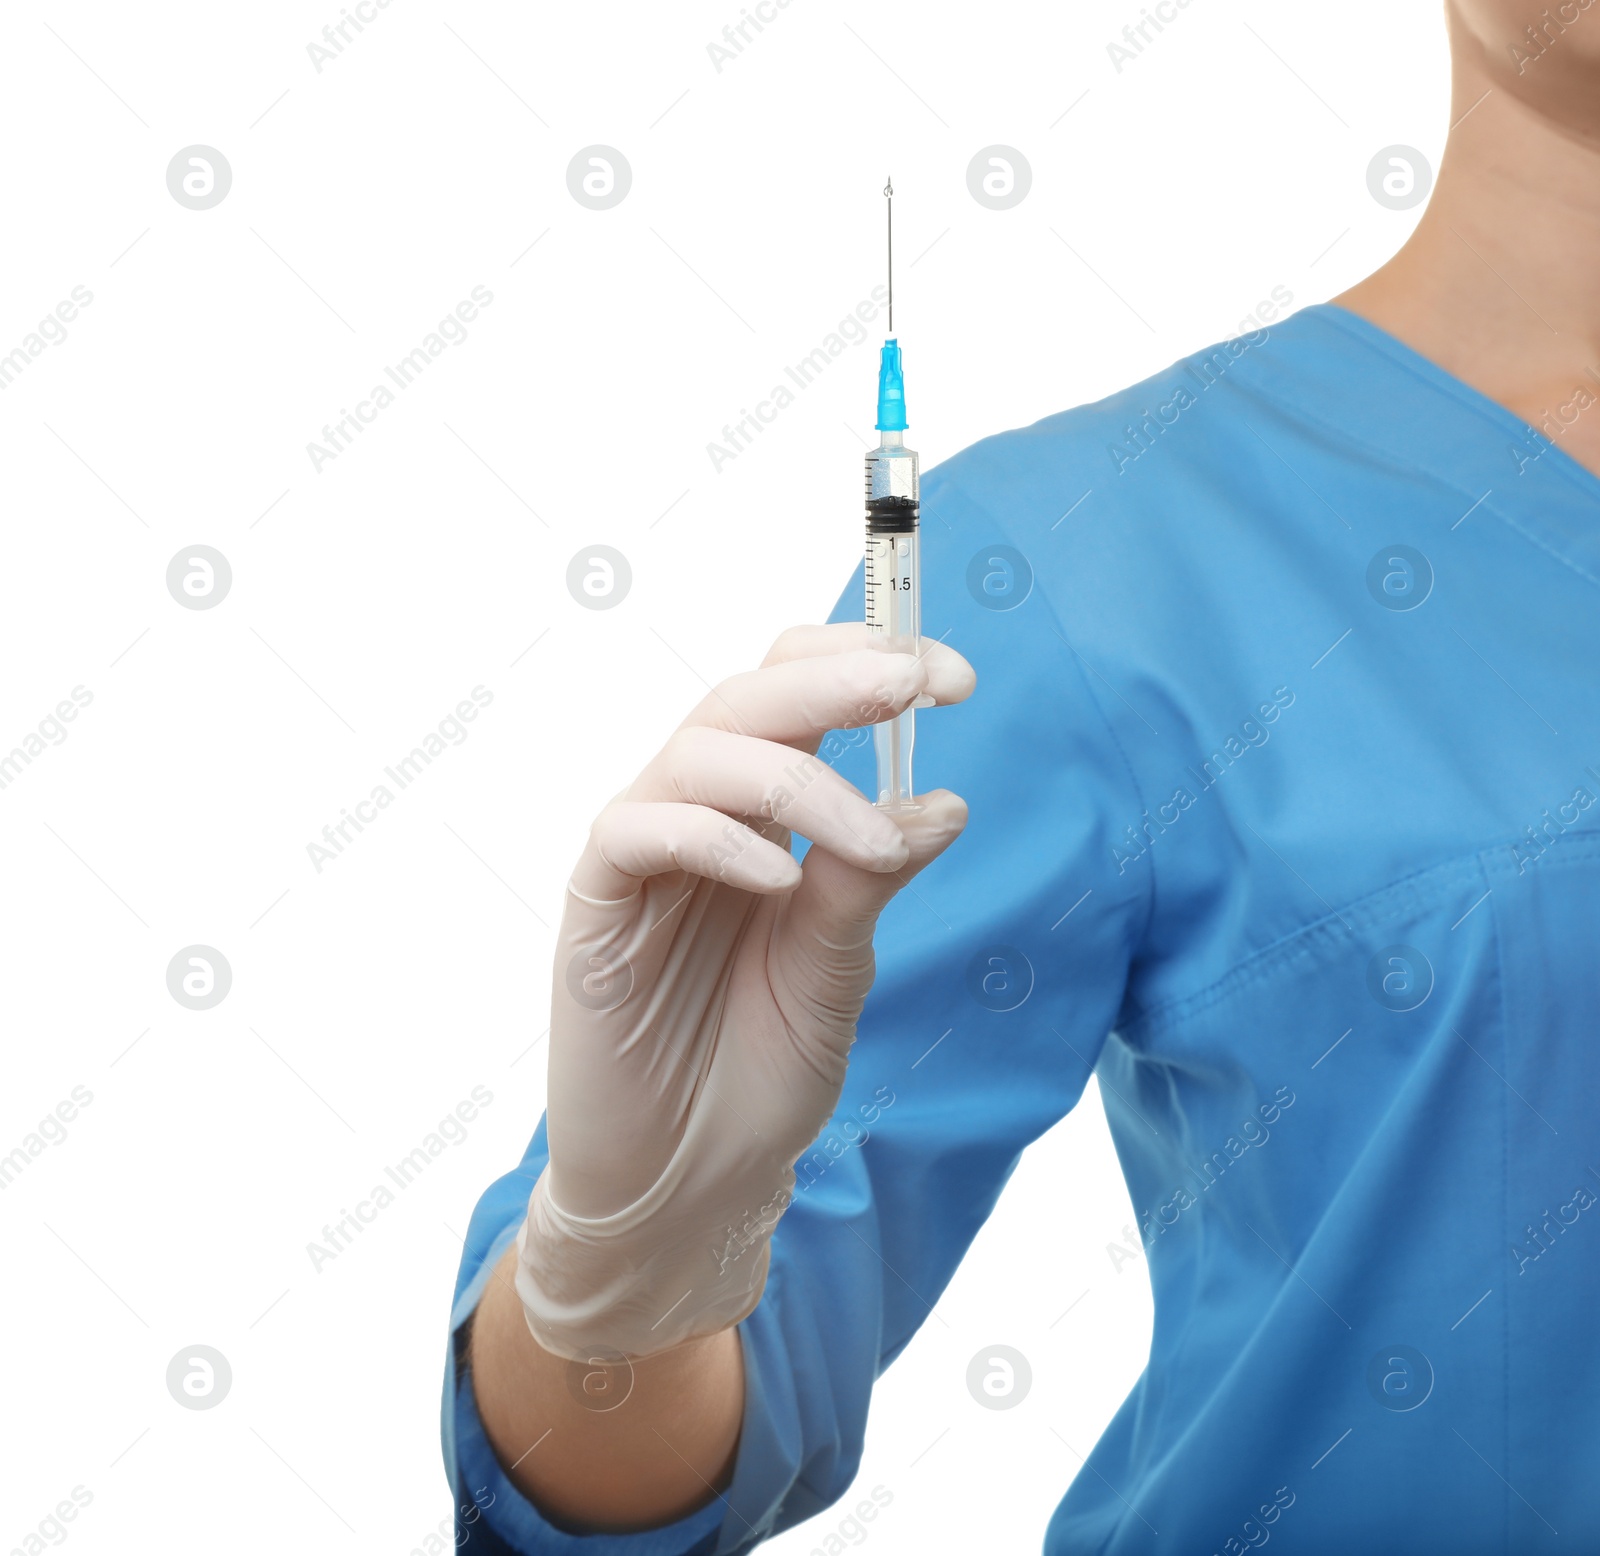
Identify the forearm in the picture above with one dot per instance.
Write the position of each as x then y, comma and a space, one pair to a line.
656, 1456
669, 1188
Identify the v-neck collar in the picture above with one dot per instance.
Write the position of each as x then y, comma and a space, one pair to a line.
1469, 443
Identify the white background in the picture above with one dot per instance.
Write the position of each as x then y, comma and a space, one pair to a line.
368, 199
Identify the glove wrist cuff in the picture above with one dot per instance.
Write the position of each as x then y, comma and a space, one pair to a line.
685, 1260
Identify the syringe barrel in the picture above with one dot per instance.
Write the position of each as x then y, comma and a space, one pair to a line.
892, 478
894, 597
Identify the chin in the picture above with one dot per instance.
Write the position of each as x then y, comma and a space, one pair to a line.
1545, 55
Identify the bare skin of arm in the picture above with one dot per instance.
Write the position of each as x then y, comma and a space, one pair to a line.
1498, 285
666, 1450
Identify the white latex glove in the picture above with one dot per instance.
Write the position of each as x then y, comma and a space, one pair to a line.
706, 993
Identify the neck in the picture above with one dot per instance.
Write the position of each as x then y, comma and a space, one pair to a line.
1499, 283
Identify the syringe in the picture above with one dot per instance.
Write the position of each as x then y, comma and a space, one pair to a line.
894, 575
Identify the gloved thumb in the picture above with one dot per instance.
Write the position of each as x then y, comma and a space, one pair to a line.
832, 913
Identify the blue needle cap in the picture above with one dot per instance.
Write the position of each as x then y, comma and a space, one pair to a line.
891, 389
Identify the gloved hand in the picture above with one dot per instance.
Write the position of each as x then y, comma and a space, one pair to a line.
706, 993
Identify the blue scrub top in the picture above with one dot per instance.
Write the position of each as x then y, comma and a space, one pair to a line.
1283, 770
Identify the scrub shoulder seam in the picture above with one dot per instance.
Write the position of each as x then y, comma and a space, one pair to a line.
1342, 927
1132, 777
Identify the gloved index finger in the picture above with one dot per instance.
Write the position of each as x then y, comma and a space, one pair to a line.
797, 701
950, 677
